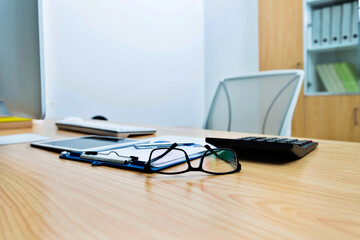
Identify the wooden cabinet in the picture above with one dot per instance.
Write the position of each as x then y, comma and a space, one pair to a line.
335, 117
280, 34
281, 45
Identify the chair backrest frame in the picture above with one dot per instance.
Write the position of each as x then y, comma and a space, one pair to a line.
285, 129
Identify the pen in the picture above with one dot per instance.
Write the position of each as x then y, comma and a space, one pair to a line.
113, 158
162, 145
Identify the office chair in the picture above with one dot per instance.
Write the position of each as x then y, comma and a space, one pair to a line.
262, 102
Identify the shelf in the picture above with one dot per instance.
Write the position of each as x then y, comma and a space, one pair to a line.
320, 3
329, 94
332, 52
331, 48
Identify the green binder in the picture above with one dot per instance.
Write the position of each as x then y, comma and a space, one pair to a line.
351, 76
342, 76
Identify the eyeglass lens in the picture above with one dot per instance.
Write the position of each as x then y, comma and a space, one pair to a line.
162, 157
214, 161
219, 161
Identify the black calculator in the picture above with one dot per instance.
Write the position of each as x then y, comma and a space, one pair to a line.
266, 146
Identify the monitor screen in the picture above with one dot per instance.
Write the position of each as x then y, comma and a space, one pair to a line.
21, 59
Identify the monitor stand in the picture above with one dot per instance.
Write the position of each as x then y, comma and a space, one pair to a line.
17, 138
3, 110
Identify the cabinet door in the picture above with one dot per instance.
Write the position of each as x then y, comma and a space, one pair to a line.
333, 117
280, 34
281, 45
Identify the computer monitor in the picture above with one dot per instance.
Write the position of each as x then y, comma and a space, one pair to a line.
22, 91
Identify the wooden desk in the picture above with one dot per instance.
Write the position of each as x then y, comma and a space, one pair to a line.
44, 197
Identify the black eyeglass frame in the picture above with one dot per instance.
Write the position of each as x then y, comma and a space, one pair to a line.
148, 169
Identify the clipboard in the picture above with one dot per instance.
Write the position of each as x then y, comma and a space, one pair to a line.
133, 158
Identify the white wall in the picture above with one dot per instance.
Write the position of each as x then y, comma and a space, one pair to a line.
145, 61
134, 61
231, 41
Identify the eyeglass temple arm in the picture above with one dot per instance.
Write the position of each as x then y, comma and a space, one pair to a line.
212, 151
165, 153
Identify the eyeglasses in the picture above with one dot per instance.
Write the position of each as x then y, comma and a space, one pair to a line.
214, 161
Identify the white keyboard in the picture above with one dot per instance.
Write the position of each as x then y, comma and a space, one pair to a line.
101, 127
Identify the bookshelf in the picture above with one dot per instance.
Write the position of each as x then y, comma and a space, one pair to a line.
318, 115
324, 43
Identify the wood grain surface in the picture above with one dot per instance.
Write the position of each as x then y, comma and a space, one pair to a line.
281, 46
333, 117
44, 197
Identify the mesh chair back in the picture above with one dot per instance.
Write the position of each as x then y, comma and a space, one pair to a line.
257, 103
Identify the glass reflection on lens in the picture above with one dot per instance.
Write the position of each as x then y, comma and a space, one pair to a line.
219, 161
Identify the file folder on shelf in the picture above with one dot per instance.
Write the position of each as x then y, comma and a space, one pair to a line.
325, 26
346, 22
348, 76
330, 78
354, 21
340, 88
316, 29
325, 79
336, 24
342, 76
351, 76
